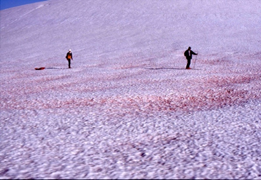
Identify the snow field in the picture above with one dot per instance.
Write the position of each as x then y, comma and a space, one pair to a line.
128, 108
200, 144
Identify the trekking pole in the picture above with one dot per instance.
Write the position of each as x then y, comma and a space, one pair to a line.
195, 62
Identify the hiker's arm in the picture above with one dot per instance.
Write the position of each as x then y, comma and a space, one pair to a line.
194, 53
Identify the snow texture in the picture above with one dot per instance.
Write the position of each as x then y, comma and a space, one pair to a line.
128, 108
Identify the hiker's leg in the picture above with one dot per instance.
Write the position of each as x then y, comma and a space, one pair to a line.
188, 63
69, 63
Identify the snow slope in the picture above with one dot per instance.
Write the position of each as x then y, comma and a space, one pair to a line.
128, 108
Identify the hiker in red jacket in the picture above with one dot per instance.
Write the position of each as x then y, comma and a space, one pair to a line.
69, 57
188, 53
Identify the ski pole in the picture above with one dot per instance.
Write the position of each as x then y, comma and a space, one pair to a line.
195, 61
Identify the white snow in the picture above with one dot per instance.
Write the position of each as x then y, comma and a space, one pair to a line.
128, 108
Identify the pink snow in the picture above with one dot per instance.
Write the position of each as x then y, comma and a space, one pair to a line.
128, 108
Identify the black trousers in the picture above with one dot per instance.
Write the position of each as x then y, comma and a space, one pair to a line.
69, 63
188, 62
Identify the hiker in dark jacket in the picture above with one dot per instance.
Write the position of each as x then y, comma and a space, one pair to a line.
69, 57
188, 53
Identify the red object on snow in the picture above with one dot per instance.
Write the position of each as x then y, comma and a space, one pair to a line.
40, 68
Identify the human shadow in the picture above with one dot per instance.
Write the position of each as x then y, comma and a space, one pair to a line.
163, 68
166, 68
55, 68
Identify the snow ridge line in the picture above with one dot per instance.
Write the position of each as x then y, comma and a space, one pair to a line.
21, 16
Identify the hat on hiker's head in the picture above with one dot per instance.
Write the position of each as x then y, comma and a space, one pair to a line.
189, 47
70, 50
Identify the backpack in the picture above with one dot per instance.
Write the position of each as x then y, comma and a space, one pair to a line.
68, 56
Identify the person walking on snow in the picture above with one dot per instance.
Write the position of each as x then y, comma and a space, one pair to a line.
188, 53
69, 57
